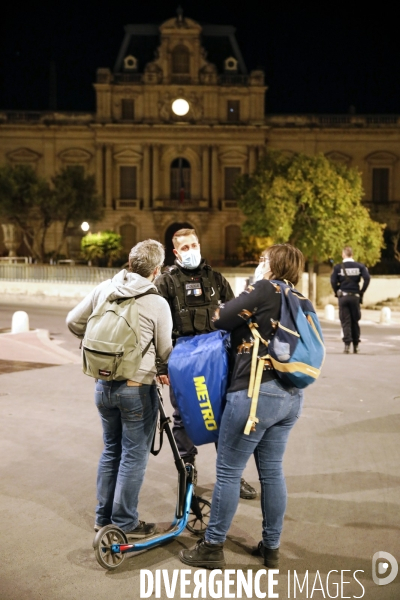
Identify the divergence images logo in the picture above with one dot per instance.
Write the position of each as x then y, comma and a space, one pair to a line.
380, 566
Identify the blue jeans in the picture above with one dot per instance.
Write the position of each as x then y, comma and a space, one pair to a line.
278, 410
129, 418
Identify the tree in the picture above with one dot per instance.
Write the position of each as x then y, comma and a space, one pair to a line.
76, 200
104, 246
312, 203
25, 201
29, 202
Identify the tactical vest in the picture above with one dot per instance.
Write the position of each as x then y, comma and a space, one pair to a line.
195, 299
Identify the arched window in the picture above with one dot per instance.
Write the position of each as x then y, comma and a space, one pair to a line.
232, 238
180, 61
180, 179
128, 234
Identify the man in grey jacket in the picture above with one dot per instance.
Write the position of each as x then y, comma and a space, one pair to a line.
128, 409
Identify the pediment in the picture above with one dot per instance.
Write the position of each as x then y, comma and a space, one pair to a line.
382, 158
184, 26
128, 154
338, 157
75, 155
23, 155
233, 155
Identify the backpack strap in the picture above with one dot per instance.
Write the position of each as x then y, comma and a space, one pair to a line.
149, 291
255, 377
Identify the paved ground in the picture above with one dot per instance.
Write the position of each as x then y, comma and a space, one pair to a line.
342, 469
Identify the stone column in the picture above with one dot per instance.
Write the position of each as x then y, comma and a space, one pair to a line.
206, 174
99, 171
156, 171
214, 177
146, 176
252, 159
109, 177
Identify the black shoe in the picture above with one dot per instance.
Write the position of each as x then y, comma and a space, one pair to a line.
97, 527
204, 554
355, 349
271, 557
142, 530
246, 491
191, 461
346, 348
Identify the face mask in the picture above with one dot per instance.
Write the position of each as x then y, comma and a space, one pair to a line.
190, 259
261, 270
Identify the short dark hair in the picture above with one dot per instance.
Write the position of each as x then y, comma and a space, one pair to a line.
286, 262
181, 233
348, 251
145, 257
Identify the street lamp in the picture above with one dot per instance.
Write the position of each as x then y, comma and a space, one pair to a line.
85, 226
180, 107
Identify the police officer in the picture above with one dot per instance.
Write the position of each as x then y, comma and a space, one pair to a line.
194, 291
345, 281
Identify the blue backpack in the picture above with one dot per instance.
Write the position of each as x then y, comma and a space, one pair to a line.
198, 371
296, 349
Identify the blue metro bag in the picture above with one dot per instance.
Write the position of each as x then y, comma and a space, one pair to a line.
198, 371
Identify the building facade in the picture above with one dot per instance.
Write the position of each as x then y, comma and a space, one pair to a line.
177, 120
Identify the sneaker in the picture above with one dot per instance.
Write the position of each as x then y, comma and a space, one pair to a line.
346, 349
270, 556
204, 554
246, 491
142, 530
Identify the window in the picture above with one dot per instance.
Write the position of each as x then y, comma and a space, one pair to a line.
380, 185
180, 60
233, 111
180, 179
127, 183
231, 173
127, 109
232, 238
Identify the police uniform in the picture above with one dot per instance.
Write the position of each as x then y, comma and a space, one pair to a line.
193, 296
345, 281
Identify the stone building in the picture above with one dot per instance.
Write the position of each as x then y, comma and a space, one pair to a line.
177, 120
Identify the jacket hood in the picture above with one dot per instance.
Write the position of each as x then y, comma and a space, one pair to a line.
128, 284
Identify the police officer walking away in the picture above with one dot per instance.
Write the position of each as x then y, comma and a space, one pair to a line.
345, 281
193, 291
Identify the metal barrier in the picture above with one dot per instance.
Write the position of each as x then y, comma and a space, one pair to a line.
55, 273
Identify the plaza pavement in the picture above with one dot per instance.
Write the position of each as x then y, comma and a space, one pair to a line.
341, 466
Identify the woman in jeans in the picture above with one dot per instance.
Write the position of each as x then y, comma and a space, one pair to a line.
279, 407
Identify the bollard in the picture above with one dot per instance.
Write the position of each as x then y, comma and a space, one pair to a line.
330, 312
386, 315
20, 322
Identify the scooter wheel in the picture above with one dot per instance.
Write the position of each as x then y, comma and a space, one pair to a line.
199, 515
104, 539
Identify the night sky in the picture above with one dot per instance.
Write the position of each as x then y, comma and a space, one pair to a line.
316, 60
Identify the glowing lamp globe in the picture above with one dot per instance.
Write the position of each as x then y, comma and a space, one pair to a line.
180, 107
85, 226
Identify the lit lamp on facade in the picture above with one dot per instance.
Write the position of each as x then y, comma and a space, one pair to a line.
180, 107
85, 226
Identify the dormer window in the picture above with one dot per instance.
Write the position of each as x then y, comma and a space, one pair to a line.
231, 65
180, 61
130, 63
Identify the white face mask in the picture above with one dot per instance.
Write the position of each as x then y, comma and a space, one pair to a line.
190, 259
261, 270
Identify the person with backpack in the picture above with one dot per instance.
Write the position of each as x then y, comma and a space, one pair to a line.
345, 280
279, 406
121, 316
193, 291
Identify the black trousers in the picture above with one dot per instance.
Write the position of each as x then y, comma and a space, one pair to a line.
187, 449
349, 315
